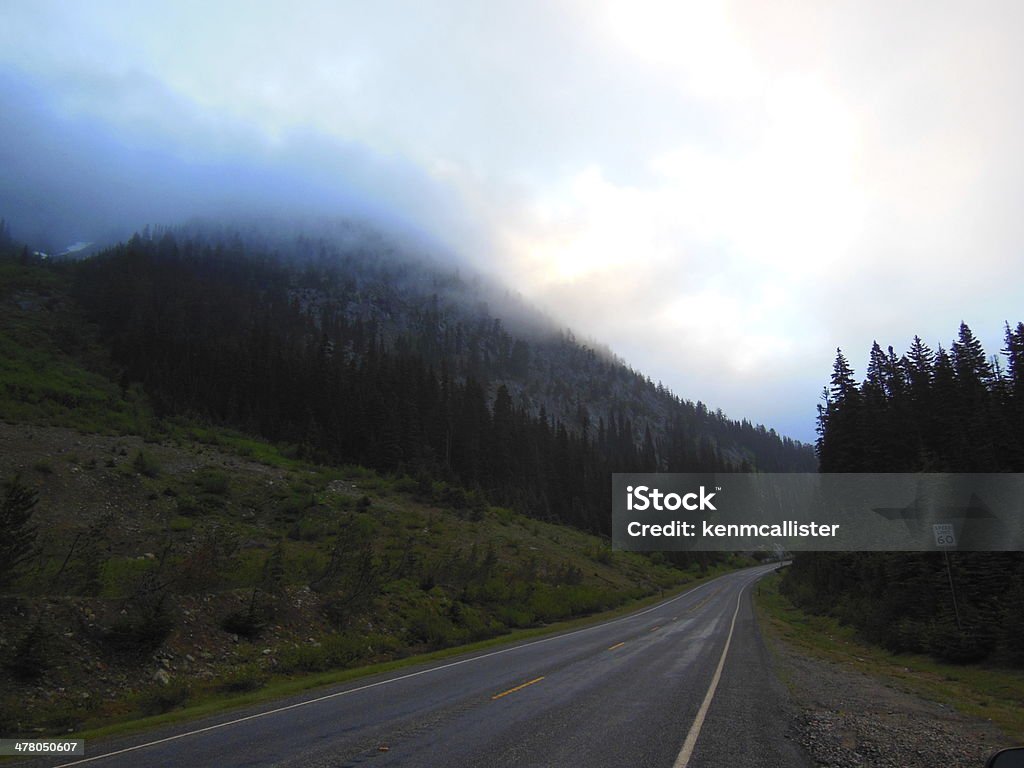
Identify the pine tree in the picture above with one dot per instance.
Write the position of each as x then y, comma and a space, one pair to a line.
973, 406
1014, 351
840, 445
969, 361
19, 534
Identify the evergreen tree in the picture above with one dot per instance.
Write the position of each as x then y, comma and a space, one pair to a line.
19, 534
839, 422
943, 412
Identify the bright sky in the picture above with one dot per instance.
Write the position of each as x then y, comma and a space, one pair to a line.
723, 193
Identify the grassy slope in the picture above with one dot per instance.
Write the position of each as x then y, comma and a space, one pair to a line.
214, 699
978, 691
48, 357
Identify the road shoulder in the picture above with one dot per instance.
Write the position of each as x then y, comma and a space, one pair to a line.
848, 717
752, 721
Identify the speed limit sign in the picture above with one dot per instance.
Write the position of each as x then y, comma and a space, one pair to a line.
944, 536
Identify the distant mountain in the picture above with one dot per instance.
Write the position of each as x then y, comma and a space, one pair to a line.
356, 349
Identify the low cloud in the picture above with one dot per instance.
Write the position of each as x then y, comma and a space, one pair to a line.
721, 193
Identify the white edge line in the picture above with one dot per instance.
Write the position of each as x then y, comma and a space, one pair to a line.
349, 691
686, 752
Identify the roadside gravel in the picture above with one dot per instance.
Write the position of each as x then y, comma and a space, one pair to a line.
846, 718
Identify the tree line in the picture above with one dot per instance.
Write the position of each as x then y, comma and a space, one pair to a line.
285, 349
925, 411
955, 410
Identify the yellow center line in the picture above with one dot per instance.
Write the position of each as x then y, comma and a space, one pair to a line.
617, 645
517, 688
702, 603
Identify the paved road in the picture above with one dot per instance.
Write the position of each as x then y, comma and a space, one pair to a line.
650, 689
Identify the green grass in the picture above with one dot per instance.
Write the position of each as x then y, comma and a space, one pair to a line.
445, 580
217, 696
281, 457
986, 692
43, 343
180, 524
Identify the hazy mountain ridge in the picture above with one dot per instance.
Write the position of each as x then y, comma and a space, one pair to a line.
455, 318
352, 351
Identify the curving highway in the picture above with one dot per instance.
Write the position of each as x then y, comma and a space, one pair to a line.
686, 683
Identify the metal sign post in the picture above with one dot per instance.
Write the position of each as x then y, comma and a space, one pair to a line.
946, 538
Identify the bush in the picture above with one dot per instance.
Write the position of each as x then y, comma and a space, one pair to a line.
17, 532
12, 710
213, 481
146, 464
429, 628
188, 506
164, 698
305, 658
948, 643
29, 657
244, 679
248, 623
119, 575
336, 651
142, 630
180, 524
406, 485
474, 624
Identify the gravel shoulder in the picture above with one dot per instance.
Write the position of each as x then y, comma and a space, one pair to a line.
846, 717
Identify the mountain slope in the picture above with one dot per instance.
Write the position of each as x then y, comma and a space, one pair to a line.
174, 555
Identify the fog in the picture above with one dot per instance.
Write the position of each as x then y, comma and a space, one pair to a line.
721, 192
72, 177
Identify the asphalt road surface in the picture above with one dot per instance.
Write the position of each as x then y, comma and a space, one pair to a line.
684, 683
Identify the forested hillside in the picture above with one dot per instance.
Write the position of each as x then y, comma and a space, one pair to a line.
354, 353
154, 557
923, 411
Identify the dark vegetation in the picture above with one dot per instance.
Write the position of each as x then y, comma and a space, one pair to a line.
925, 411
352, 358
225, 465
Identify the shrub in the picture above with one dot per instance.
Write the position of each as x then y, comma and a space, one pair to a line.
12, 710
948, 643
213, 481
188, 506
180, 524
17, 541
146, 464
429, 628
335, 651
305, 658
454, 498
30, 656
143, 629
248, 677
406, 485
164, 698
248, 623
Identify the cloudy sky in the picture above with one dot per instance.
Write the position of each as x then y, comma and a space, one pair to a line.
723, 193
